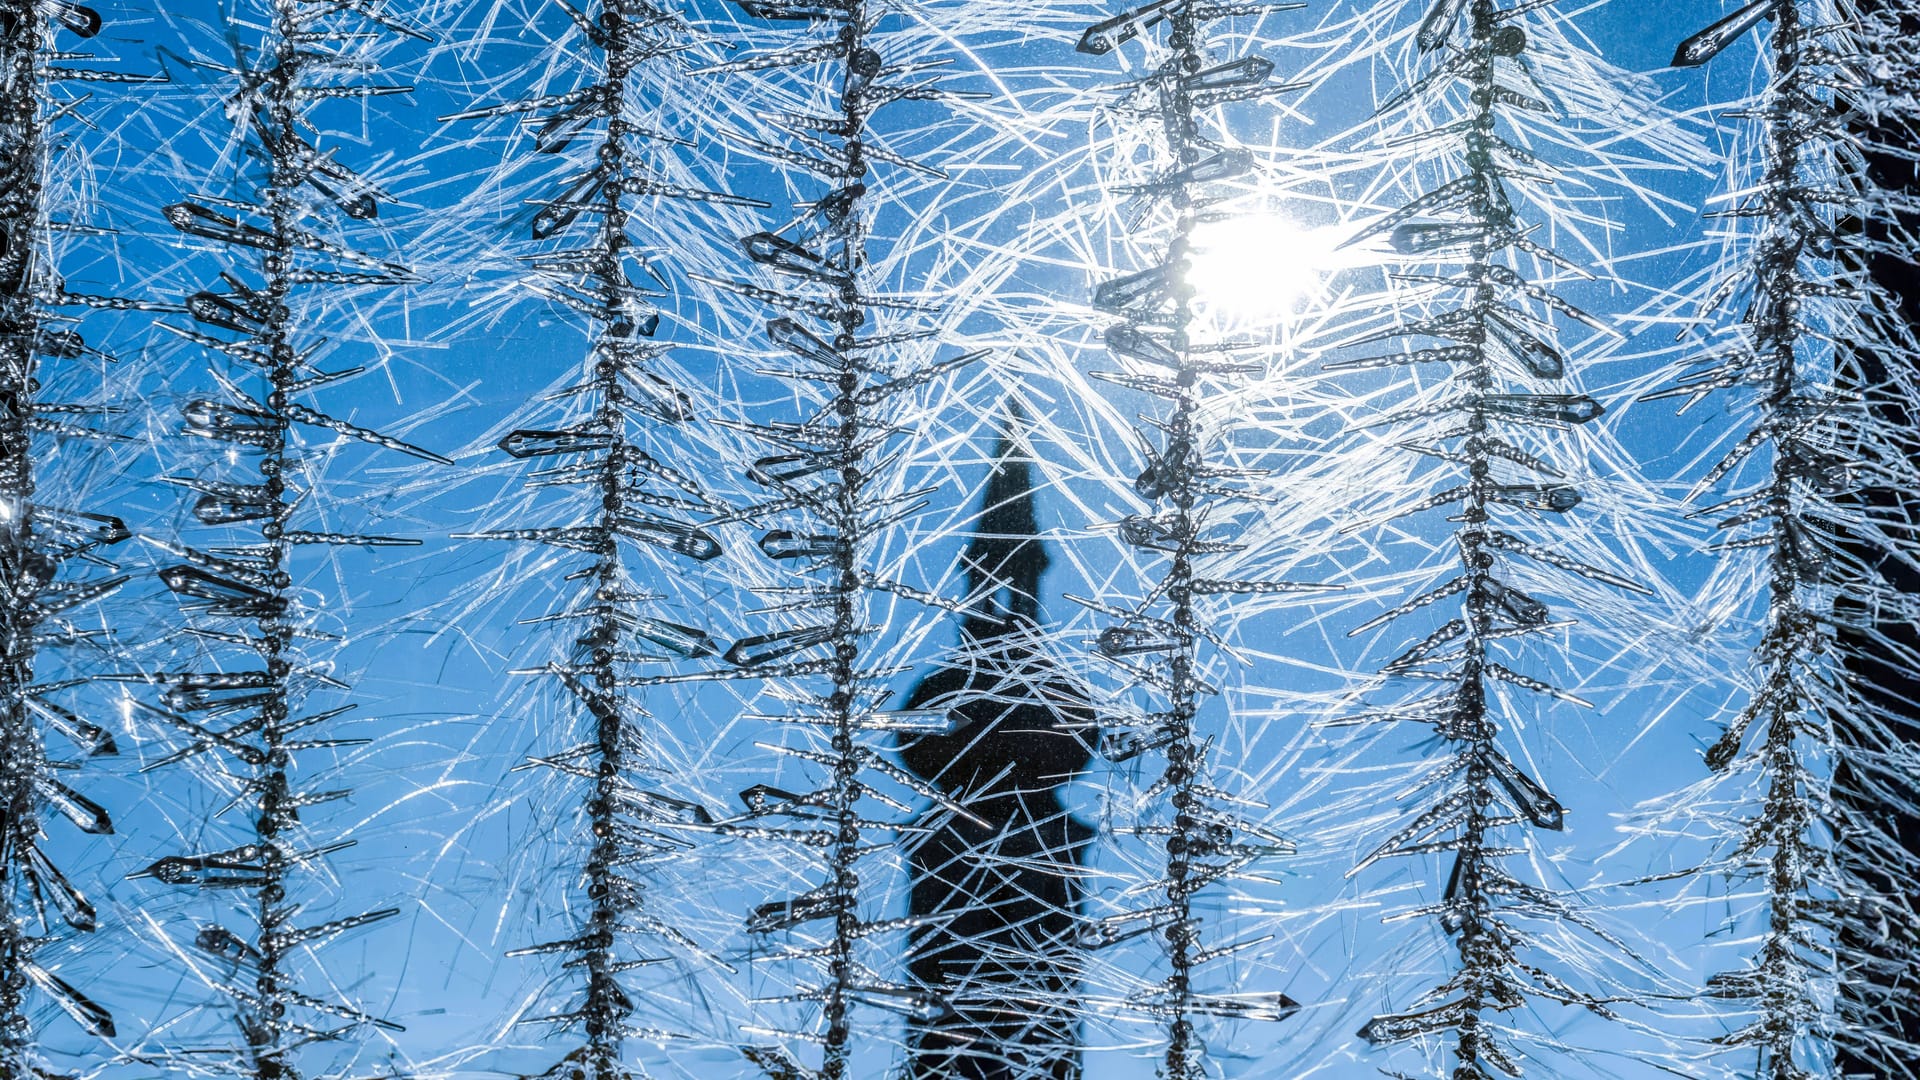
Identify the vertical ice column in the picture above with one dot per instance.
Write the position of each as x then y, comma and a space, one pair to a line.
633, 514
1166, 634
1819, 364
253, 710
53, 557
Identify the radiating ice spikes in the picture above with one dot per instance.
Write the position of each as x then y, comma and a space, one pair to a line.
634, 522
237, 707
1815, 767
866, 363
55, 540
1160, 644
1496, 435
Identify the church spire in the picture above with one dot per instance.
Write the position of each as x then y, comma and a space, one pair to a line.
1006, 557
1002, 883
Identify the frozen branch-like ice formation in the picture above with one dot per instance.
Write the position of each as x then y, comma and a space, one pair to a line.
1489, 309
1879, 743
634, 505
248, 711
1159, 634
838, 513
1817, 767
53, 541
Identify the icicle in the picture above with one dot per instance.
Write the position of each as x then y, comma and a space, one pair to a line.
51, 559
1496, 68
1160, 644
237, 589
636, 516
837, 499
1811, 772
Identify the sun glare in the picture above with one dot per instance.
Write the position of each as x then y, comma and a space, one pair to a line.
1259, 267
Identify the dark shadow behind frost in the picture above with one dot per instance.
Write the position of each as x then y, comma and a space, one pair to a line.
1004, 888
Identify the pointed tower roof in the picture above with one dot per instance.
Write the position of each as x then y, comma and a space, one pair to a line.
1006, 557
1021, 719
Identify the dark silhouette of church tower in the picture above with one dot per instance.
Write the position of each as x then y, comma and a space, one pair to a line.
1006, 893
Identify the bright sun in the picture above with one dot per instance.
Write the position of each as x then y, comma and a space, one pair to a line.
1258, 267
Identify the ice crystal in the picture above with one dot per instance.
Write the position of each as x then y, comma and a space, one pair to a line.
789, 341
640, 517
57, 531
247, 705
1804, 332
1194, 493
1501, 100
